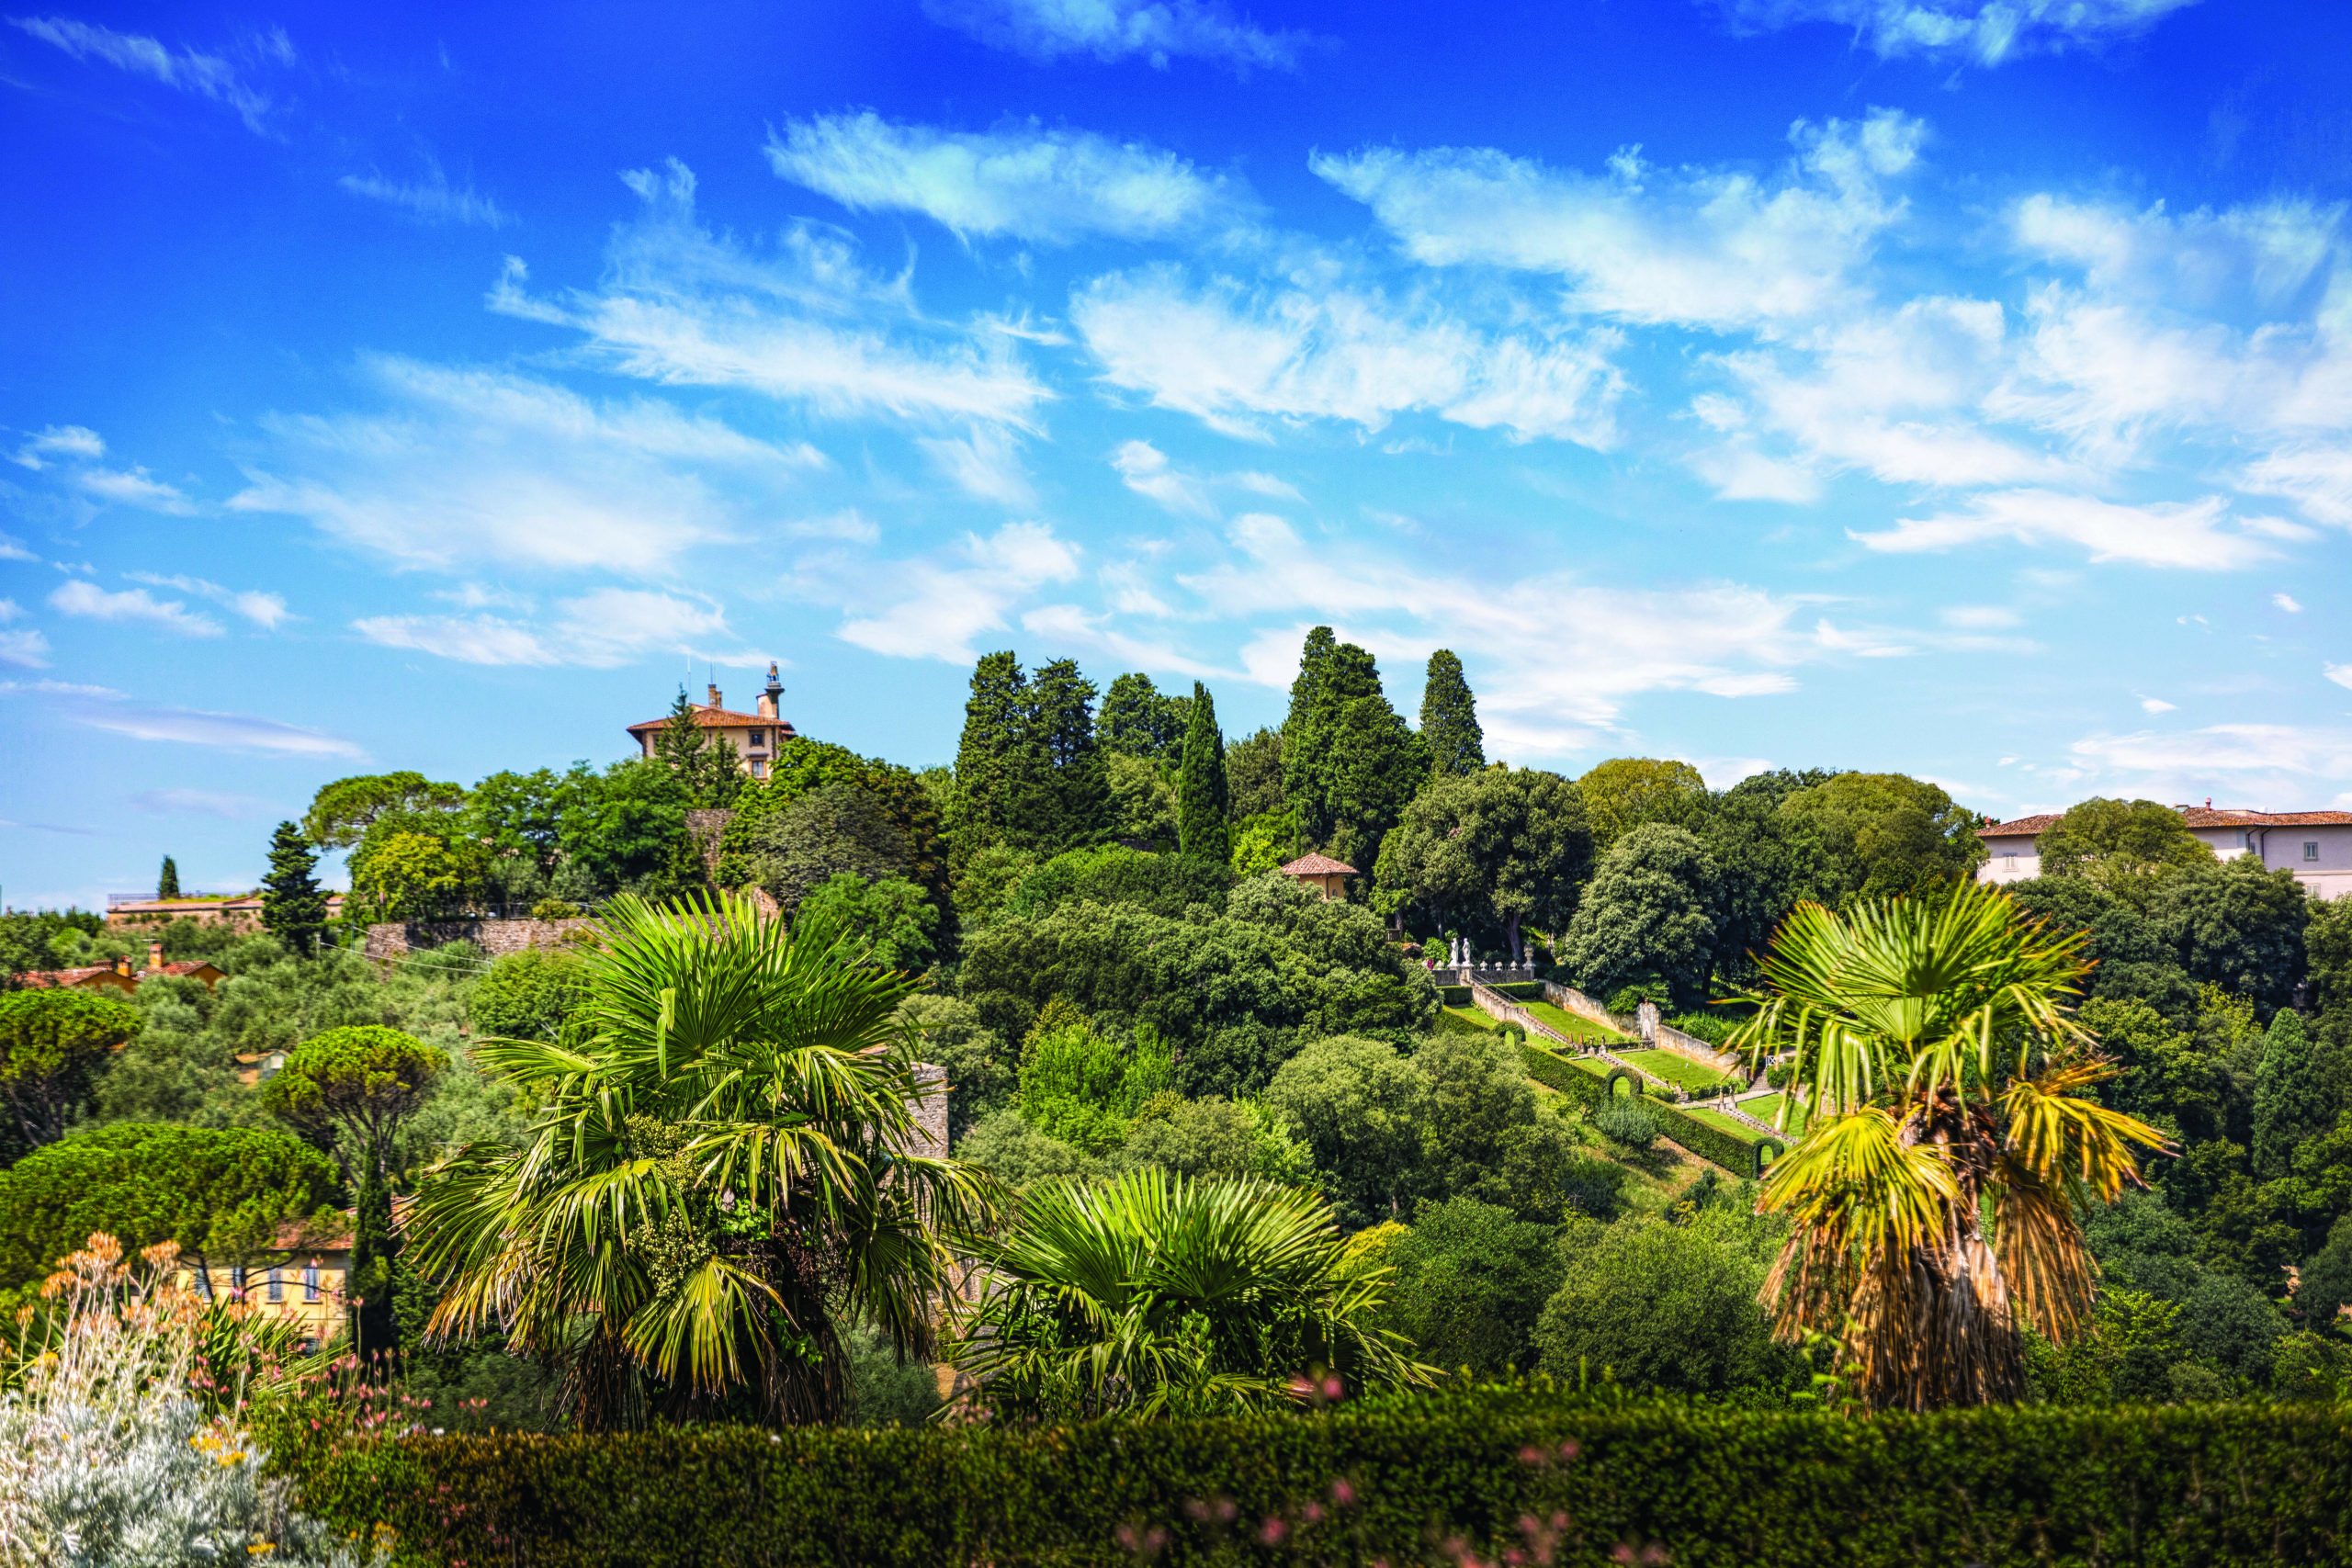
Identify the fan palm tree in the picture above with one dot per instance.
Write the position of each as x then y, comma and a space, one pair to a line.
1158, 1294
1933, 1197
725, 1165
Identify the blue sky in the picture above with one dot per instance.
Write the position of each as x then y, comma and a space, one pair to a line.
1948, 386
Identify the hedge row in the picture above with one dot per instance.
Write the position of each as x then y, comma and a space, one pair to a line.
1740, 1156
1553, 1070
1421, 1483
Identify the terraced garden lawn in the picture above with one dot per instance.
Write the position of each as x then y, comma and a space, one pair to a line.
1677, 1069
1730, 1125
1767, 1108
1569, 1024
1475, 1017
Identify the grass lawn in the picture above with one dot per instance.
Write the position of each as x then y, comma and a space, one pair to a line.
1474, 1015
1569, 1024
1677, 1069
1722, 1123
1767, 1108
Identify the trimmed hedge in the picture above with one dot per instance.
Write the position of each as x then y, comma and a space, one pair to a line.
1554, 1071
1426, 1481
1742, 1155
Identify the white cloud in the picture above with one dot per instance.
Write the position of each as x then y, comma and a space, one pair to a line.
431, 199
2199, 534
1555, 657
1235, 359
23, 647
87, 599
63, 688
602, 629
266, 611
2288, 603
1702, 246
1069, 627
681, 306
1145, 470
1989, 31
207, 75
984, 463
229, 731
2267, 249
202, 803
2280, 762
134, 486
2339, 673
61, 441
1158, 30
12, 548
2156, 705
490, 468
942, 604
1979, 618
2316, 479
1020, 179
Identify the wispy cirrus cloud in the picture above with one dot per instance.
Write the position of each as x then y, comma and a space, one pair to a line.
224, 731
264, 609
1238, 358
228, 806
2196, 535
468, 466
430, 198
208, 76
90, 602
1154, 31
1021, 179
1987, 32
602, 629
22, 647
1702, 246
807, 325
79, 452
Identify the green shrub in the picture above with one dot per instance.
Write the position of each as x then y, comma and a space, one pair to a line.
1626, 1120
1711, 1486
1554, 1071
1739, 1152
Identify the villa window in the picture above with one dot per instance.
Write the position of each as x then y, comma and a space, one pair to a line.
277, 1286
237, 1278
2310, 848
310, 1281
758, 738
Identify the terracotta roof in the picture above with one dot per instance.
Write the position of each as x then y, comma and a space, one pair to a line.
2206, 817
2018, 828
196, 966
710, 717
50, 980
1318, 865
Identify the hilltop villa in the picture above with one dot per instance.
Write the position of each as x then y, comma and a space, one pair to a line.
756, 737
2315, 845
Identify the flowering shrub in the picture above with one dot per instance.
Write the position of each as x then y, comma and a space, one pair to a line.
123, 1442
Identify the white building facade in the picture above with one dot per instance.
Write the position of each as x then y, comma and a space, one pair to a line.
2315, 845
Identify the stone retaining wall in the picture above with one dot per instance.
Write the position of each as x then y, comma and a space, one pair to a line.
495, 938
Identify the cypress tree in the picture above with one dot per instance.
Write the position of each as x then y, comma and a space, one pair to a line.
1201, 824
292, 909
1306, 733
1138, 720
2291, 1104
703, 760
1073, 790
374, 1245
990, 770
167, 881
1450, 718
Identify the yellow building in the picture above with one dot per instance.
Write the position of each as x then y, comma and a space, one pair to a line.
301, 1279
755, 738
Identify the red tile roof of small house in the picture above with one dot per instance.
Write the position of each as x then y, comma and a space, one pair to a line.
2190, 816
2022, 828
710, 717
1318, 865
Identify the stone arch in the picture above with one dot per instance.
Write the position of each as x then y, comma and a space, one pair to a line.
1634, 1088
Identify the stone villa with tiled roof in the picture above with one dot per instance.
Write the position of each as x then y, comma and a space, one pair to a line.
1321, 871
756, 738
2315, 845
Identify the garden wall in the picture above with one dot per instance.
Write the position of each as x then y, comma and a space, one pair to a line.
1538, 1475
496, 938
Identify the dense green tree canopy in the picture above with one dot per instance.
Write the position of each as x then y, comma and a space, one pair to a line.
1449, 730
1648, 911
53, 1044
537, 994
1664, 1306
2119, 843
356, 1083
625, 830
1253, 773
1624, 793
221, 1192
293, 908
341, 812
2237, 925
1139, 720
836, 830
1764, 867
1360, 1106
891, 921
1164, 884
1143, 800
1502, 843
1350, 763
1471, 1280
1882, 835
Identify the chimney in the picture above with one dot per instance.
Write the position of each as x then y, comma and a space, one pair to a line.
154, 955
714, 697
768, 704
122, 966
